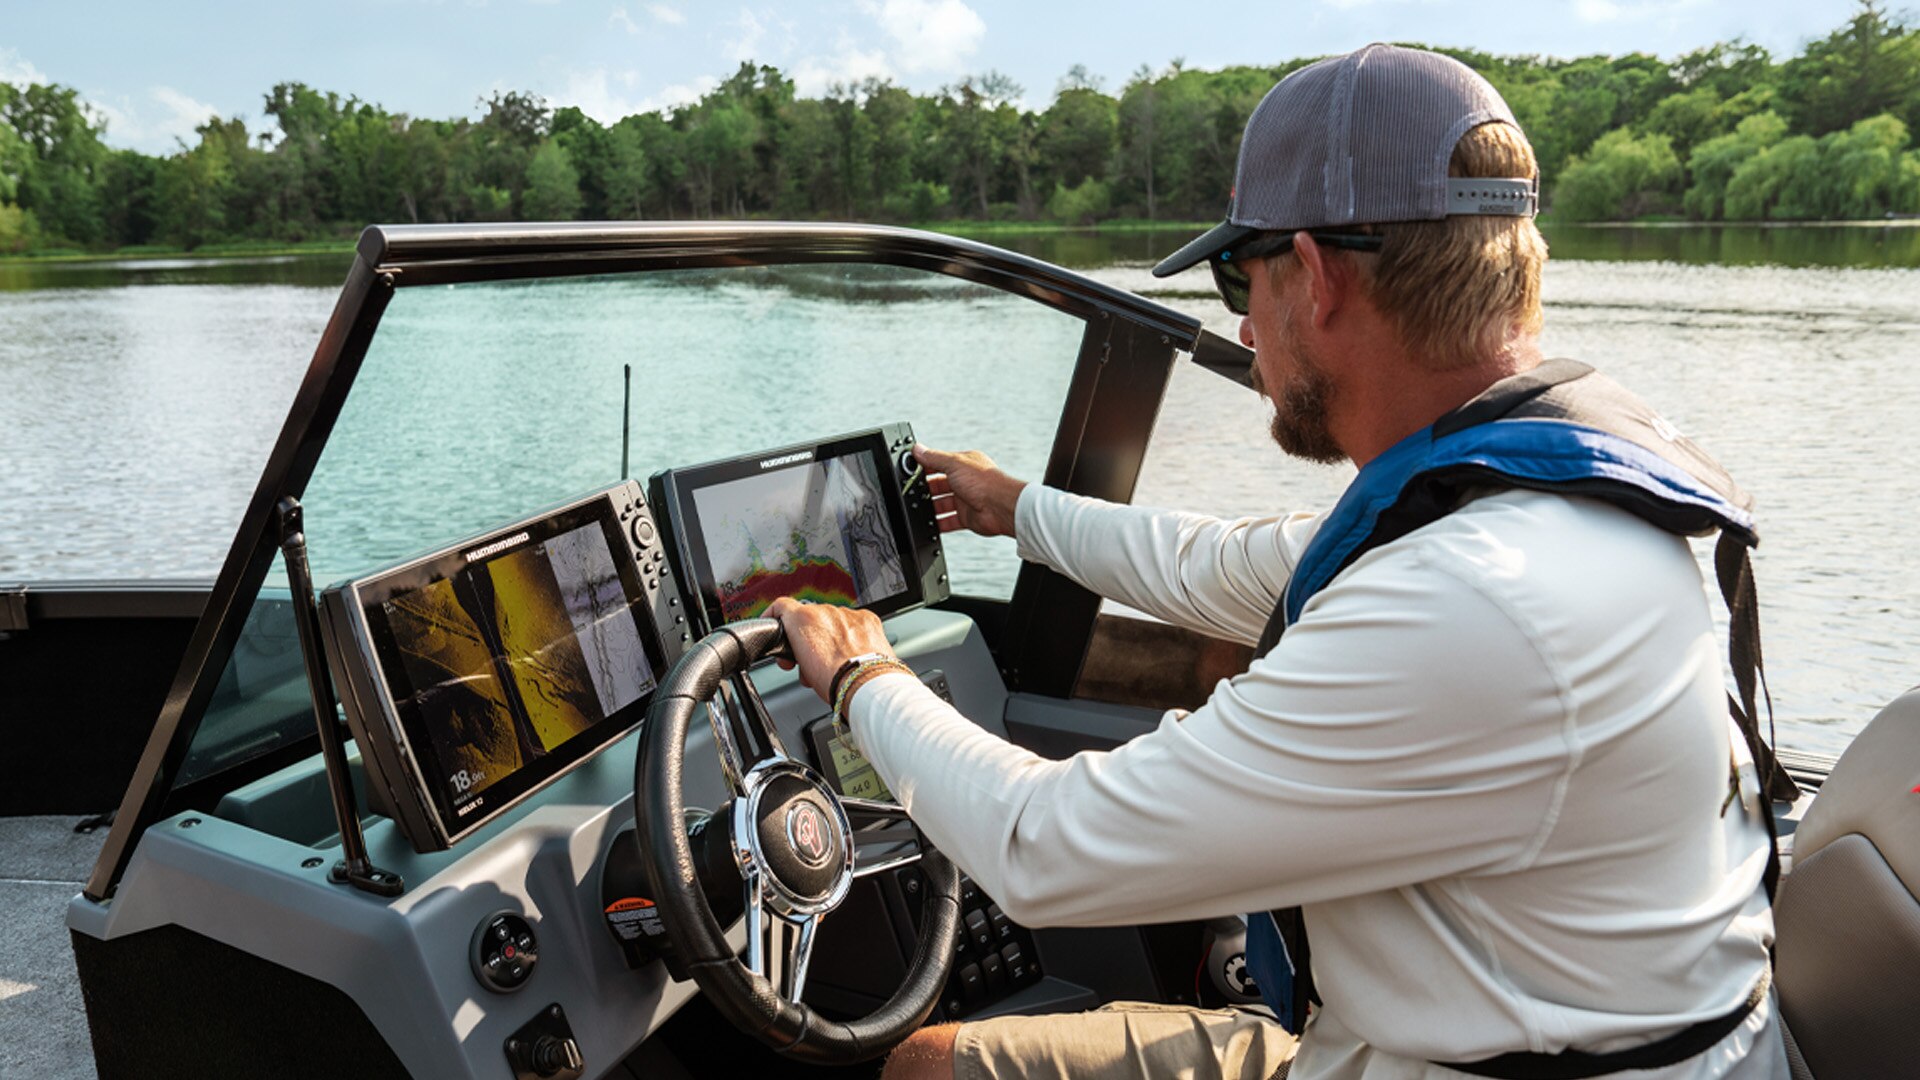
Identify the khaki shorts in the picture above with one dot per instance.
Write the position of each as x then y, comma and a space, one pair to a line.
1127, 1040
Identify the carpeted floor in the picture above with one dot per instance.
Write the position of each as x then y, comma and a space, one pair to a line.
43, 1026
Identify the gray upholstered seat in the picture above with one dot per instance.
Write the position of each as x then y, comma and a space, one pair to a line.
1848, 953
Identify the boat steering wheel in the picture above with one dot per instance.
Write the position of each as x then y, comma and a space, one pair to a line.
784, 846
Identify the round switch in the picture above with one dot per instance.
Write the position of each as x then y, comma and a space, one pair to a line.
504, 952
642, 531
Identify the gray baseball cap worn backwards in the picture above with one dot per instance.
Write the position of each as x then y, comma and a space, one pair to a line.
1358, 139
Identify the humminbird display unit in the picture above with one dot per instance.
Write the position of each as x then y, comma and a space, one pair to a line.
474, 675
846, 521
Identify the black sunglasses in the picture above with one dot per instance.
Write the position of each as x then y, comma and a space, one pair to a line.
1236, 288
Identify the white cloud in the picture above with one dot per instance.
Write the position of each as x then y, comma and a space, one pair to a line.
622, 21
683, 93
155, 124
17, 71
671, 16
753, 34
849, 65
182, 112
935, 36
592, 91
608, 96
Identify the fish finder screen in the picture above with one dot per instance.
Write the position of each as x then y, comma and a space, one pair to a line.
815, 530
513, 655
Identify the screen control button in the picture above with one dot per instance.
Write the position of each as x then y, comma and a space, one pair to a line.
972, 983
994, 969
1016, 962
979, 930
504, 952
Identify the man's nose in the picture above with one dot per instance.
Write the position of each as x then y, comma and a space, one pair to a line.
1246, 331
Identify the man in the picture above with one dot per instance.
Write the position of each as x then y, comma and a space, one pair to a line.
1484, 745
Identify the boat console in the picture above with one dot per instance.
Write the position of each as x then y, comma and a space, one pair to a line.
592, 796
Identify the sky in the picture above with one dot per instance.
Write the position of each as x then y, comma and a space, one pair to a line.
155, 70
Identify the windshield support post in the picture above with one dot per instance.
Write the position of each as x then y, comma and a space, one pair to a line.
354, 868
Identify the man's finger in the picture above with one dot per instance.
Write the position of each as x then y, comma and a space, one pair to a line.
939, 484
949, 522
935, 460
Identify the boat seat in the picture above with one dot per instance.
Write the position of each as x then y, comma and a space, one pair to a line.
1847, 917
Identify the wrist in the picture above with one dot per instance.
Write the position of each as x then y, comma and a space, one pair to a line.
859, 676
848, 668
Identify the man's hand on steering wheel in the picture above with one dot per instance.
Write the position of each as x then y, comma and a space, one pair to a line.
822, 637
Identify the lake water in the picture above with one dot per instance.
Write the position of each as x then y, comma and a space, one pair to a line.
141, 398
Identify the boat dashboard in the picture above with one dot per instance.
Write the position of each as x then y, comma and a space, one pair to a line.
495, 689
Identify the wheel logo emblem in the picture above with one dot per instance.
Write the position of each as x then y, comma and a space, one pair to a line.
807, 829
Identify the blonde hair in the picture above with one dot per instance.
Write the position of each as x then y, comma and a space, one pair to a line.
1458, 288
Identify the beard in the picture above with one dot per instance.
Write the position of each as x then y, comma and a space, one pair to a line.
1302, 402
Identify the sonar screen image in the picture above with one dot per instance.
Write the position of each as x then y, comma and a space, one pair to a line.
565, 633
462, 702
514, 656
815, 532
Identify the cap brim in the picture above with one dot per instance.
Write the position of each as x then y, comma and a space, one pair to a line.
1203, 247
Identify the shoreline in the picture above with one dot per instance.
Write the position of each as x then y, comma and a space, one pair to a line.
1867, 223
243, 250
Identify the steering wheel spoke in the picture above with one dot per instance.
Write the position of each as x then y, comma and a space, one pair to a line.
884, 838
789, 948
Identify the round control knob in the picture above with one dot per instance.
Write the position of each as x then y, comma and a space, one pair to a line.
504, 952
642, 531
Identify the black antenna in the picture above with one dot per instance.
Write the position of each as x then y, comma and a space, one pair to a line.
626, 411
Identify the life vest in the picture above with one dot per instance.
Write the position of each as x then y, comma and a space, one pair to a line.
1563, 428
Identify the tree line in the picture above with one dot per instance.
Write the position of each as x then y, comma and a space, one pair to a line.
1726, 132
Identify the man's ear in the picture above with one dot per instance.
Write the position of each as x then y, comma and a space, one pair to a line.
1328, 282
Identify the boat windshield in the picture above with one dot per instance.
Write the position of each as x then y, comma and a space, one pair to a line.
480, 403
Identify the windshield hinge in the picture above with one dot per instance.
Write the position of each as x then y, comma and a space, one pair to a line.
13, 608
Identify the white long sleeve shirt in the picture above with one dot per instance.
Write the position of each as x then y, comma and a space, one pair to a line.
1489, 761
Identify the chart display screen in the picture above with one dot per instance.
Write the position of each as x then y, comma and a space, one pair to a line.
817, 531
514, 659
826, 523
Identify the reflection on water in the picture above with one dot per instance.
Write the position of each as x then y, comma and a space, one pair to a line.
138, 417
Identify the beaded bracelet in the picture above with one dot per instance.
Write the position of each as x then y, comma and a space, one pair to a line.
852, 681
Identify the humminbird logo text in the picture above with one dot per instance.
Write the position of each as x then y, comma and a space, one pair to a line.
496, 546
787, 459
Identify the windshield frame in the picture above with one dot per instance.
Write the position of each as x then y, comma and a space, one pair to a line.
1120, 376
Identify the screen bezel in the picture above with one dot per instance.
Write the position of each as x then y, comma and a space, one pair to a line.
697, 568
416, 743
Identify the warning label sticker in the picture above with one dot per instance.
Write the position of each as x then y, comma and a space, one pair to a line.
634, 917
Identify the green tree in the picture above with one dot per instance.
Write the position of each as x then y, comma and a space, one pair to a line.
1757, 186
61, 187
628, 178
1867, 67
1713, 163
193, 188
1076, 137
553, 185
1621, 176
